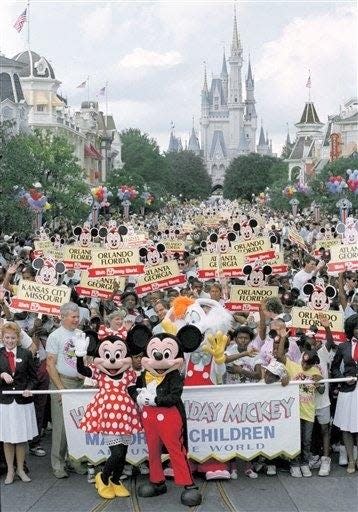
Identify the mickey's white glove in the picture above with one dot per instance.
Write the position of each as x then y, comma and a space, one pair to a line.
145, 397
81, 343
140, 398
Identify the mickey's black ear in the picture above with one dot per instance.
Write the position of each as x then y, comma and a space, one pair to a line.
60, 267
267, 270
143, 252
102, 232
38, 263
213, 237
308, 289
273, 239
330, 291
122, 230
231, 236
247, 270
77, 230
189, 337
236, 226
253, 223
94, 232
161, 248
138, 338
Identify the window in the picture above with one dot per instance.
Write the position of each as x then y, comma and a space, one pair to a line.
40, 108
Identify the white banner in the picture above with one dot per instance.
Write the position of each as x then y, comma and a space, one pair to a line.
239, 420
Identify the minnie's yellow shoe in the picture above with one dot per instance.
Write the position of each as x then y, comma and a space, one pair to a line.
105, 491
120, 490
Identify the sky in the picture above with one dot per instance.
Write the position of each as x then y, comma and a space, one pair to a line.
152, 56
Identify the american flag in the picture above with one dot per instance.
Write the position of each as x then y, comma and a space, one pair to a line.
101, 91
82, 85
19, 23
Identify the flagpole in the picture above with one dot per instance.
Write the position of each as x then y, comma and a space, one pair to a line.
309, 88
106, 123
28, 24
88, 88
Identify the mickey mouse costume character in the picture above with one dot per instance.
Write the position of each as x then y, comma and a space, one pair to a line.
111, 411
158, 391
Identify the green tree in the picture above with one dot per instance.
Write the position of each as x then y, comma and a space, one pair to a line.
143, 163
251, 174
189, 176
48, 159
321, 195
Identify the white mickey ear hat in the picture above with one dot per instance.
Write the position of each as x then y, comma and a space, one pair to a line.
276, 368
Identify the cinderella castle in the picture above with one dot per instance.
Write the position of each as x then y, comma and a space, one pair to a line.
228, 121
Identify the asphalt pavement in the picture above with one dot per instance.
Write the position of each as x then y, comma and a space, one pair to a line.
337, 493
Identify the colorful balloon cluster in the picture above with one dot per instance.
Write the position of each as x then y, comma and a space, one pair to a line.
35, 199
148, 198
100, 195
352, 180
336, 184
126, 193
289, 191
303, 189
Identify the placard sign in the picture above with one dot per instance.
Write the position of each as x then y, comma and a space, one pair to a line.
174, 245
75, 256
343, 257
303, 318
255, 245
99, 287
40, 298
118, 262
229, 264
158, 277
248, 298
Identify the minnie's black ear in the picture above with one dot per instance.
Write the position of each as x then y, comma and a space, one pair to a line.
231, 236
161, 248
189, 337
102, 232
236, 226
253, 223
138, 338
213, 237
143, 252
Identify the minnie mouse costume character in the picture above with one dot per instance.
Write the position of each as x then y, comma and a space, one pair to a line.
111, 411
158, 391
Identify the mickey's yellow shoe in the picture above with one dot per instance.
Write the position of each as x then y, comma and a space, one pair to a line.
120, 490
105, 491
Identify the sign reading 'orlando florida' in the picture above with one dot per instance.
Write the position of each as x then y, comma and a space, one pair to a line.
117, 262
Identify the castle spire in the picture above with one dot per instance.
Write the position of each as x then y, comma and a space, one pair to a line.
205, 86
224, 72
235, 45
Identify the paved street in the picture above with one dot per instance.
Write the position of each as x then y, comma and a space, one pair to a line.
336, 493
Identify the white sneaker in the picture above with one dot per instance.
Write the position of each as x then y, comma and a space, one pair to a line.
251, 473
325, 466
271, 470
314, 462
233, 474
306, 471
296, 471
343, 461
168, 472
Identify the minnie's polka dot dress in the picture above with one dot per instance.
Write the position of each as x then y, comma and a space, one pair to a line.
112, 411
